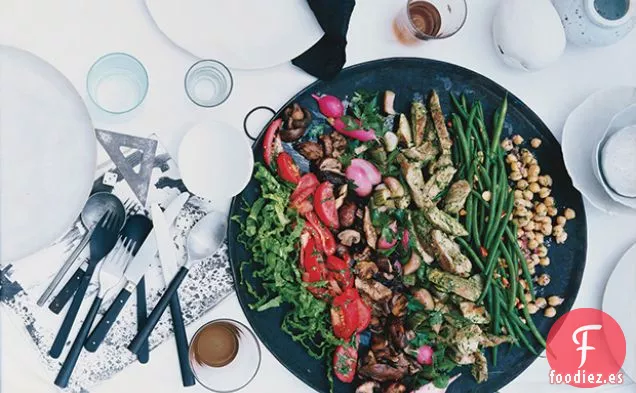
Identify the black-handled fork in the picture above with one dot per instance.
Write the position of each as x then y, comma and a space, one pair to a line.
110, 274
102, 241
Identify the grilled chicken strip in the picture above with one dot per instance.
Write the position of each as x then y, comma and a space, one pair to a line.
456, 197
449, 254
445, 222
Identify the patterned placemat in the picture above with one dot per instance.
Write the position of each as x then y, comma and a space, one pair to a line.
207, 283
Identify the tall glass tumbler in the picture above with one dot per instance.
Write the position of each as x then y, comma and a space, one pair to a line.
421, 20
117, 83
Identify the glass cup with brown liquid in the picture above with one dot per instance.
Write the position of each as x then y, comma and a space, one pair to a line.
422, 20
224, 355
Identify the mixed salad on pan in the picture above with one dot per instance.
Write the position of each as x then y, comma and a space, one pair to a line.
412, 245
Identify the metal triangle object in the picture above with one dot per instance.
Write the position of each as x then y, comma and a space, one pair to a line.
139, 181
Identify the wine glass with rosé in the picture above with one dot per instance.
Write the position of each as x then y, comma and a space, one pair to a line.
422, 20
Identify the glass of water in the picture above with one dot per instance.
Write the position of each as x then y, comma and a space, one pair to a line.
421, 20
117, 83
208, 83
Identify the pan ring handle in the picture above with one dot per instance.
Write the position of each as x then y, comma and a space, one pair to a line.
250, 113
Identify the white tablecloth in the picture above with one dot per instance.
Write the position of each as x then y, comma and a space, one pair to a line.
71, 34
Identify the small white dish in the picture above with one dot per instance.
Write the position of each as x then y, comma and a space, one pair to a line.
618, 302
582, 131
623, 122
215, 161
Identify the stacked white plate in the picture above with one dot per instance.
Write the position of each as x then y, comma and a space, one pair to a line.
586, 130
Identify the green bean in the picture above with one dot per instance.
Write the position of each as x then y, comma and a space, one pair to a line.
483, 176
500, 117
471, 252
464, 101
457, 125
533, 329
496, 196
493, 256
475, 229
524, 340
469, 223
522, 260
503, 221
473, 131
460, 108
495, 325
513, 279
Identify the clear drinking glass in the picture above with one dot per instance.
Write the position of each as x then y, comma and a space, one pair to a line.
117, 83
208, 83
236, 361
421, 20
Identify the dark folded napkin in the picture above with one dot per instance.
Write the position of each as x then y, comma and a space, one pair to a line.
326, 58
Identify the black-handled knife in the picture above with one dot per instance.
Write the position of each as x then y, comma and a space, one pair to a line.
71, 314
68, 290
142, 313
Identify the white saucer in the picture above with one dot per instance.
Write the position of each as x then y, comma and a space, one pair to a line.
624, 119
582, 131
618, 302
243, 34
47, 154
215, 161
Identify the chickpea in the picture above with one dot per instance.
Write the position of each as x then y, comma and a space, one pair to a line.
532, 270
544, 193
529, 235
534, 170
515, 166
569, 214
523, 284
550, 312
555, 301
535, 142
539, 237
549, 201
534, 258
541, 302
506, 144
528, 297
543, 279
532, 179
540, 208
552, 211
545, 180
520, 231
518, 194
532, 308
534, 187
545, 261
562, 238
561, 220
515, 176
510, 158
486, 195
524, 172
517, 139
529, 227
523, 221
557, 230
546, 229
522, 184
533, 244
542, 251
528, 195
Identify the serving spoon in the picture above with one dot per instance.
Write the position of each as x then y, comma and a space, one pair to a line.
204, 239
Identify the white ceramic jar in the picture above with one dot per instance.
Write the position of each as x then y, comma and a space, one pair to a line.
596, 22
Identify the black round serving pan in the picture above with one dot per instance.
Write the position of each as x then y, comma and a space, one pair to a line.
407, 77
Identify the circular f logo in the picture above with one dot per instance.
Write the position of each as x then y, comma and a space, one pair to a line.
588, 345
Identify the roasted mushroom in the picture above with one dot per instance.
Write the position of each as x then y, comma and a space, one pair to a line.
339, 144
424, 298
381, 372
327, 144
395, 388
310, 150
347, 214
366, 269
369, 231
368, 387
342, 194
398, 304
349, 237
295, 122
330, 169
384, 263
373, 289
397, 333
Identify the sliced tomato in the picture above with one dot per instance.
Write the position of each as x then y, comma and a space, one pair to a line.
287, 168
311, 260
305, 188
271, 141
305, 207
339, 272
327, 241
344, 313
345, 359
325, 205
364, 315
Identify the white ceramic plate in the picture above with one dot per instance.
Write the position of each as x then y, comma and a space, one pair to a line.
47, 154
215, 161
618, 302
624, 118
582, 131
243, 34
